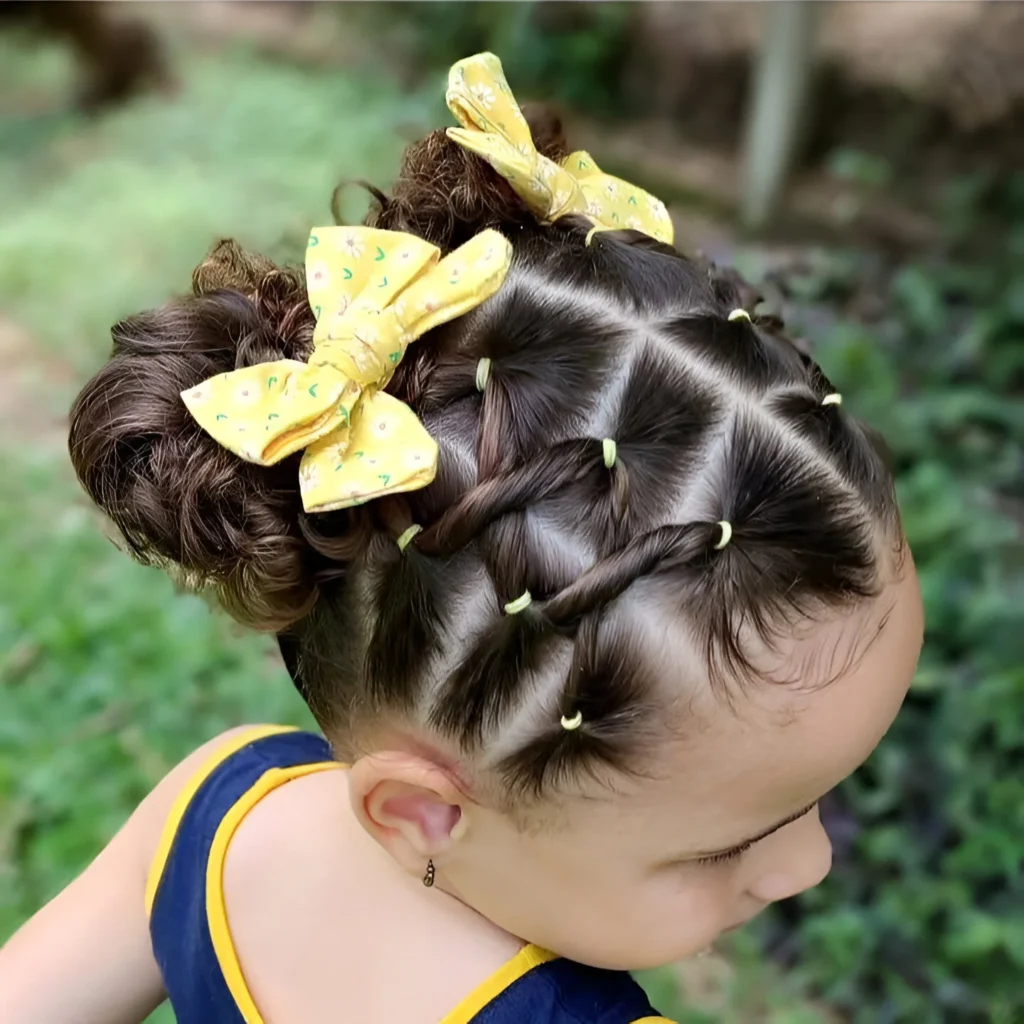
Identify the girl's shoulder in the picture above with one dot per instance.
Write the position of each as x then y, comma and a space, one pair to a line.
216, 790
269, 902
325, 927
328, 928
218, 785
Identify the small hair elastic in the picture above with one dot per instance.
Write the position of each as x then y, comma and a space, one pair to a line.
407, 536
726, 534
483, 373
611, 452
519, 604
834, 399
739, 314
593, 231
572, 724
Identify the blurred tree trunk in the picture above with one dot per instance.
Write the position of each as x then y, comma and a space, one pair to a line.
118, 56
778, 105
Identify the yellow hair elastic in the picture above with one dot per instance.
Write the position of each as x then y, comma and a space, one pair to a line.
739, 314
572, 724
483, 373
593, 231
834, 399
519, 604
726, 527
404, 541
611, 452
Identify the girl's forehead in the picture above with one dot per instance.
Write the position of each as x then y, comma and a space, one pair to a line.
775, 747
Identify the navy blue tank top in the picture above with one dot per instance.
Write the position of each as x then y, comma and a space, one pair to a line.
192, 940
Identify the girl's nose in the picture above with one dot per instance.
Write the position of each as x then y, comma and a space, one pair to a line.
798, 857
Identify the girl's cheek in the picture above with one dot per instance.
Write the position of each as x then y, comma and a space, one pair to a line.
698, 904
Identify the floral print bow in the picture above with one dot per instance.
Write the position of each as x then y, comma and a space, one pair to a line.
372, 292
494, 128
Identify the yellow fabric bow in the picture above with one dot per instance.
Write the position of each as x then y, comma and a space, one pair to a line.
372, 292
494, 128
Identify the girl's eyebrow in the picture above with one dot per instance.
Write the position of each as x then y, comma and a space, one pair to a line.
755, 839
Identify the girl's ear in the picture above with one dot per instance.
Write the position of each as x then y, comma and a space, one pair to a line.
409, 805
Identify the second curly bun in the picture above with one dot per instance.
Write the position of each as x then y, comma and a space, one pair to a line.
446, 194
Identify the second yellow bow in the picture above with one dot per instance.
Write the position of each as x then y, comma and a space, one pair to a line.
494, 128
372, 292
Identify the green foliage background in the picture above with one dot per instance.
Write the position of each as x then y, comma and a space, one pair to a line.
923, 917
568, 50
107, 677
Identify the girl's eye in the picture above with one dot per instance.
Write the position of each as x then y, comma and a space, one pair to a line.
730, 855
725, 858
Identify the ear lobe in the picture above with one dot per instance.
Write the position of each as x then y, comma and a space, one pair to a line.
408, 805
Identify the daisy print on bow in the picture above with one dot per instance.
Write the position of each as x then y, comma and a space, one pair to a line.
494, 128
372, 293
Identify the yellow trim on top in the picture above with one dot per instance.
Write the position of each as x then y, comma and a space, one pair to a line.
216, 910
522, 963
528, 958
184, 798
654, 1020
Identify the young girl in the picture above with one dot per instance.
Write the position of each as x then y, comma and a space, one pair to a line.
591, 583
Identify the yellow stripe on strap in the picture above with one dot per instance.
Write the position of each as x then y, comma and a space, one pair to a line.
184, 798
522, 963
216, 909
654, 1020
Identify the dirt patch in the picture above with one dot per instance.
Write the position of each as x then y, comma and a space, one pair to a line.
305, 33
33, 391
709, 984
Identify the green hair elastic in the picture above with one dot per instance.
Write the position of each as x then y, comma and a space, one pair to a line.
726, 528
521, 603
611, 452
483, 373
407, 536
573, 723
739, 314
834, 399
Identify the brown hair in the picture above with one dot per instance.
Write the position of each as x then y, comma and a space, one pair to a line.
623, 338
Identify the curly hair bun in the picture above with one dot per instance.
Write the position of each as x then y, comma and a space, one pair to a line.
178, 498
446, 194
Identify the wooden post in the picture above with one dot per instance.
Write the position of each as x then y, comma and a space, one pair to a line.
777, 105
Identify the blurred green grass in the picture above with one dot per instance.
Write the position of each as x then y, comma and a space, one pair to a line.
101, 218
107, 676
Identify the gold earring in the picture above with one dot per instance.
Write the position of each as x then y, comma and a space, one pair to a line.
428, 878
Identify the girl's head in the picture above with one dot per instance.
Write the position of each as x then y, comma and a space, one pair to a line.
629, 764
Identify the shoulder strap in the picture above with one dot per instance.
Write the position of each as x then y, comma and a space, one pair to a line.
188, 921
539, 987
188, 792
